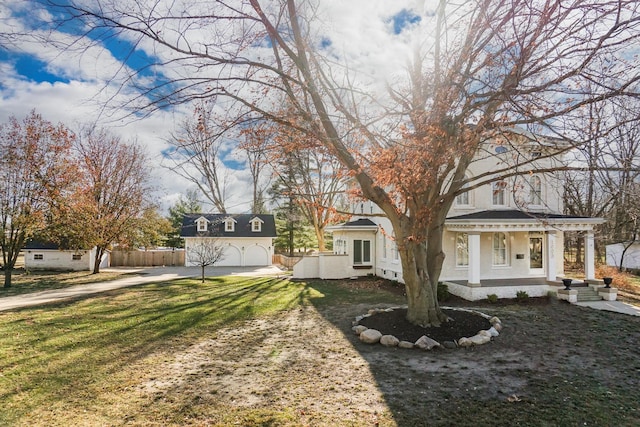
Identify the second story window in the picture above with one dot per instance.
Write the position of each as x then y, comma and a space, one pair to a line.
464, 199
499, 189
229, 225
256, 225
202, 224
535, 192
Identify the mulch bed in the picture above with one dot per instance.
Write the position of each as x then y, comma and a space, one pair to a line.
463, 324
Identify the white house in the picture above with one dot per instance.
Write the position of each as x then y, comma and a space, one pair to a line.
497, 236
49, 256
247, 238
628, 252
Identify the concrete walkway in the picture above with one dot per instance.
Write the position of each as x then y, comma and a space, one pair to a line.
615, 306
138, 276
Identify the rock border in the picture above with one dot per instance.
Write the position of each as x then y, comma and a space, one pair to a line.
373, 336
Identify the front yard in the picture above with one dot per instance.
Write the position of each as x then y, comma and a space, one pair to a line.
256, 352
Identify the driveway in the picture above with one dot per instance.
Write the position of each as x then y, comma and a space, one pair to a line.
138, 276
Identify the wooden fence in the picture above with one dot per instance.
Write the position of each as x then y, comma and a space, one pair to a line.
150, 258
286, 261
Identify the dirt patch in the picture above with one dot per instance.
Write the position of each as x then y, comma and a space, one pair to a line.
553, 364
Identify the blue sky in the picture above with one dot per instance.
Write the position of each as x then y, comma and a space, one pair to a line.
74, 88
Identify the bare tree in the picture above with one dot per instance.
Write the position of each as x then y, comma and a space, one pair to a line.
205, 253
306, 174
35, 172
254, 145
479, 67
608, 184
196, 154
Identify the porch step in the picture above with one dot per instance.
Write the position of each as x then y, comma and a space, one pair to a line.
587, 294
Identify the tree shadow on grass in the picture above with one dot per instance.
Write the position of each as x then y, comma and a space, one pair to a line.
553, 364
273, 352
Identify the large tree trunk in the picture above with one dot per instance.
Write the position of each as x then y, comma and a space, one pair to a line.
10, 257
97, 260
7, 276
320, 236
421, 267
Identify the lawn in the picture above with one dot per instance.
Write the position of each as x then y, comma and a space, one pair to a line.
266, 351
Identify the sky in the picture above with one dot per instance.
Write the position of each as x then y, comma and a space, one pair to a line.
77, 89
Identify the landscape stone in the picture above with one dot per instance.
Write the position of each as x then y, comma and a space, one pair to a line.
426, 343
497, 326
389, 341
493, 331
405, 344
485, 333
464, 342
358, 329
494, 319
449, 344
480, 339
370, 336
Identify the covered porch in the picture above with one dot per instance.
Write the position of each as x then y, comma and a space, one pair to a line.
503, 288
515, 249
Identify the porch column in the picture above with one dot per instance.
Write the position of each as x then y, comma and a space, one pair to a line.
551, 256
474, 258
589, 256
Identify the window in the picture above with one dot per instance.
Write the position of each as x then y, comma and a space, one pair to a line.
535, 194
340, 246
38, 257
500, 249
394, 252
463, 199
498, 191
76, 257
256, 225
229, 225
202, 224
384, 247
362, 251
462, 249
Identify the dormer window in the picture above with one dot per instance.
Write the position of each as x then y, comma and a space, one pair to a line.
230, 225
256, 225
201, 224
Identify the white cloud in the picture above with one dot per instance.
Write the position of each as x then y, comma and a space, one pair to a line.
360, 30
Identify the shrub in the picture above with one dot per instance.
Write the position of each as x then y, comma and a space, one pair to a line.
522, 296
443, 292
620, 280
492, 298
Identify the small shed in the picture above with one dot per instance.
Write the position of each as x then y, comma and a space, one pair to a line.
48, 256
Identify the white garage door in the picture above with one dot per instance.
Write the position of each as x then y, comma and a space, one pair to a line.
231, 257
256, 255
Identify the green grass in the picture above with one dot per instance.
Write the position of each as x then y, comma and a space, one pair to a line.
83, 362
73, 356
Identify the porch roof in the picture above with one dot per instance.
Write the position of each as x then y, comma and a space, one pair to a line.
516, 220
362, 224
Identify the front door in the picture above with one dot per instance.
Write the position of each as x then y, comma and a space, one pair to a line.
535, 255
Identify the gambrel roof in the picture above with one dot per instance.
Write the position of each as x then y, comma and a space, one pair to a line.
216, 225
